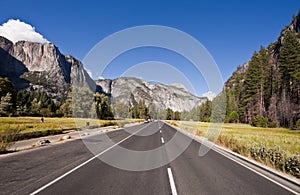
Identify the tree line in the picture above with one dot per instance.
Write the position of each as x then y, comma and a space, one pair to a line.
268, 92
83, 103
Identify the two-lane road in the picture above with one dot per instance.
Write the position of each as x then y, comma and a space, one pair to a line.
70, 168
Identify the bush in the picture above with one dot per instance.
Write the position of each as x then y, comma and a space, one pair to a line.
8, 138
259, 121
292, 166
277, 158
109, 123
273, 124
233, 117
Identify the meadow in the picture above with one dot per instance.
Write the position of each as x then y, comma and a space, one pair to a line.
275, 147
19, 128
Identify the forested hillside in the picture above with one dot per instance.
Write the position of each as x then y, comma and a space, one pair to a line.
266, 90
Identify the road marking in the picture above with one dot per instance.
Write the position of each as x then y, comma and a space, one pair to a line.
220, 151
162, 140
257, 172
84, 163
172, 182
159, 131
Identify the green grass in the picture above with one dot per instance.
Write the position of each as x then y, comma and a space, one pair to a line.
31, 124
20, 128
275, 147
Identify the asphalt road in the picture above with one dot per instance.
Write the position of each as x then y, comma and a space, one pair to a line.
72, 168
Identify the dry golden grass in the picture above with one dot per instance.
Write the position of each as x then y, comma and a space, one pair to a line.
276, 147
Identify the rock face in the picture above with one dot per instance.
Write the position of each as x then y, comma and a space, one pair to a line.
42, 67
128, 90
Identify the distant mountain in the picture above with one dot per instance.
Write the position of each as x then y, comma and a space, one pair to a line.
41, 67
269, 84
129, 90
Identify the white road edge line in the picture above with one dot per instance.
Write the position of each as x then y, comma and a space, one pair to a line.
162, 140
172, 182
261, 174
81, 165
227, 156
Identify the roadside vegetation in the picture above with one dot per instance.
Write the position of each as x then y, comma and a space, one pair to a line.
20, 128
276, 147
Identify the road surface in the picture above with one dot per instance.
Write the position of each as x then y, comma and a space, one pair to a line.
70, 168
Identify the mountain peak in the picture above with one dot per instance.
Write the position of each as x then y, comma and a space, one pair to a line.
131, 90
179, 86
16, 30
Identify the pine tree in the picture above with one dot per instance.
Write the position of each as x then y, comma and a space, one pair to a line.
7, 87
66, 108
289, 60
102, 106
83, 102
169, 114
256, 86
6, 105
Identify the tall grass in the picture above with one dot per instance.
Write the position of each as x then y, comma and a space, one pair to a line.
7, 138
20, 128
275, 147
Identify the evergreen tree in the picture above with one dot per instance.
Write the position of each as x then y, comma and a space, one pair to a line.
102, 106
83, 103
218, 108
6, 105
66, 108
177, 115
143, 110
7, 87
233, 117
289, 60
256, 86
169, 114
205, 111
121, 110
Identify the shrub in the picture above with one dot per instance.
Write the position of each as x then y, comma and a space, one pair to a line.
7, 138
273, 124
109, 123
292, 166
259, 121
233, 117
277, 158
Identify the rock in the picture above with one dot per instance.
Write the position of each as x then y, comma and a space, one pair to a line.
84, 134
41, 67
43, 142
65, 137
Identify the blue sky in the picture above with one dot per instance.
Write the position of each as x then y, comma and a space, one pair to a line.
230, 30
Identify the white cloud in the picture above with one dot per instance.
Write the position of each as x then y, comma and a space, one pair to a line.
210, 95
16, 30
